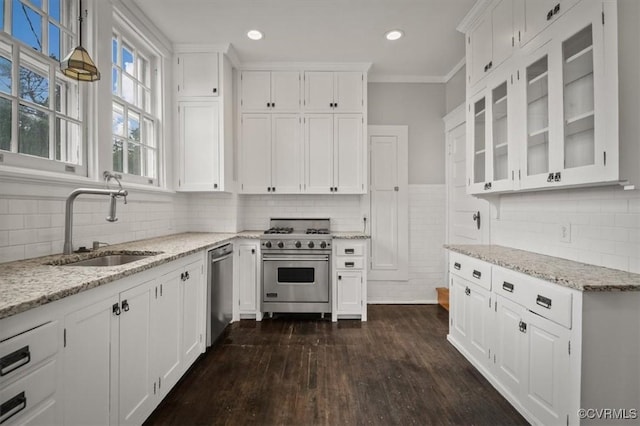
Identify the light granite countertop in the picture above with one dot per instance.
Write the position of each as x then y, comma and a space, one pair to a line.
350, 235
26, 284
564, 272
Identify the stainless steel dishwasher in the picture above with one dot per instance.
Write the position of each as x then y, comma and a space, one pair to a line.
219, 291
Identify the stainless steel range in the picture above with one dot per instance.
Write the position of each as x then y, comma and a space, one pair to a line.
296, 266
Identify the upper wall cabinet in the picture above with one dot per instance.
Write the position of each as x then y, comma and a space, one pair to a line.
548, 117
327, 91
571, 104
491, 41
197, 74
536, 15
270, 91
492, 148
204, 129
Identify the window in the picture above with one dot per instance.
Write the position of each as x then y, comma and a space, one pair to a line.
40, 114
135, 108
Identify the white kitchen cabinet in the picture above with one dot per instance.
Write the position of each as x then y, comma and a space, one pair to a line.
199, 140
548, 368
192, 287
538, 14
29, 363
491, 127
247, 279
491, 41
123, 353
510, 351
134, 369
571, 125
546, 341
349, 281
204, 130
334, 153
271, 154
197, 74
87, 359
166, 357
270, 91
329, 91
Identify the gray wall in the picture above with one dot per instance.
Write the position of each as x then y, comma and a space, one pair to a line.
420, 106
455, 90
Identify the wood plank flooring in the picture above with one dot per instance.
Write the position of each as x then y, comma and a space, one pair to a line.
395, 369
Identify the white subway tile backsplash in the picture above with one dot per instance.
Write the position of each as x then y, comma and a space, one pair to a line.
23, 207
22, 236
604, 224
11, 221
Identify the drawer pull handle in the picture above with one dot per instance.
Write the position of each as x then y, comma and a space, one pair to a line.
349, 251
456, 266
545, 302
12, 407
14, 360
476, 274
349, 264
507, 286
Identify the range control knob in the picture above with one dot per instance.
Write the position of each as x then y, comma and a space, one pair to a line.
267, 244
311, 245
323, 244
280, 244
298, 244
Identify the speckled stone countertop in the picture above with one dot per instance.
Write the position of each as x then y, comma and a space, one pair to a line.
26, 284
350, 236
567, 273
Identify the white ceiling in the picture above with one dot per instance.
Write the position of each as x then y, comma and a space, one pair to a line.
324, 31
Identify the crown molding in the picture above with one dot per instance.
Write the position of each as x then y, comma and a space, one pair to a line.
454, 70
315, 66
399, 78
200, 48
470, 18
454, 118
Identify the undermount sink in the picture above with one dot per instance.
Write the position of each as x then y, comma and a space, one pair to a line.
106, 259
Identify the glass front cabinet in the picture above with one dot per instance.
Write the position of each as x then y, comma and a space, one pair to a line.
550, 118
490, 131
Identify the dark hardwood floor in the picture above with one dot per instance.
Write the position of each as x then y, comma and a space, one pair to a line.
395, 369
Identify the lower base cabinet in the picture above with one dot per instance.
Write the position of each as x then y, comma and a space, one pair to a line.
246, 271
123, 353
548, 349
349, 280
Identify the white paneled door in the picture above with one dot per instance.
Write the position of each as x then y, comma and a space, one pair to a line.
388, 159
468, 216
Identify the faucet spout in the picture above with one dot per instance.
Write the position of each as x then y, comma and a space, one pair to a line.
68, 213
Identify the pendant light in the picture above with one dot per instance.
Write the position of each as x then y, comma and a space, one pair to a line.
78, 64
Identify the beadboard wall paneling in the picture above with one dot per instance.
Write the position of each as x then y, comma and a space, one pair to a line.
605, 225
427, 265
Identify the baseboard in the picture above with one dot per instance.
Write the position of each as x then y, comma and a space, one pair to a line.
403, 302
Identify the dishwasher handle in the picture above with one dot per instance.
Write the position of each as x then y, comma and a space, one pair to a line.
220, 259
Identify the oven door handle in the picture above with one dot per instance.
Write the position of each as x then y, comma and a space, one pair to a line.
294, 258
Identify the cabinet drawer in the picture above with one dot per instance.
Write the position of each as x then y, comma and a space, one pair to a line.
509, 284
21, 396
20, 352
348, 248
473, 270
550, 301
344, 262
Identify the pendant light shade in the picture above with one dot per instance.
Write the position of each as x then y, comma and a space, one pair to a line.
78, 64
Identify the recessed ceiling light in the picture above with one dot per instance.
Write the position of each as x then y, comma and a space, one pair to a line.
394, 35
254, 35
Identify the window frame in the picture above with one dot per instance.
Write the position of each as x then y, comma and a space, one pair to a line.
127, 35
21, 54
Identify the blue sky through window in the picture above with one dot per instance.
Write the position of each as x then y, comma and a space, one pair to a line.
27, 25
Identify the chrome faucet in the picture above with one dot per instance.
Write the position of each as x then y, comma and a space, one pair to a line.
68, 214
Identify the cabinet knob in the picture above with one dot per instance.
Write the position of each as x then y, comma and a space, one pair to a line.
331, 105
268, 189
125, 305
115, 309
273, 104
335, 105
549, 15
522, 326
557, 177
215, 90
268, 104
556, 9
